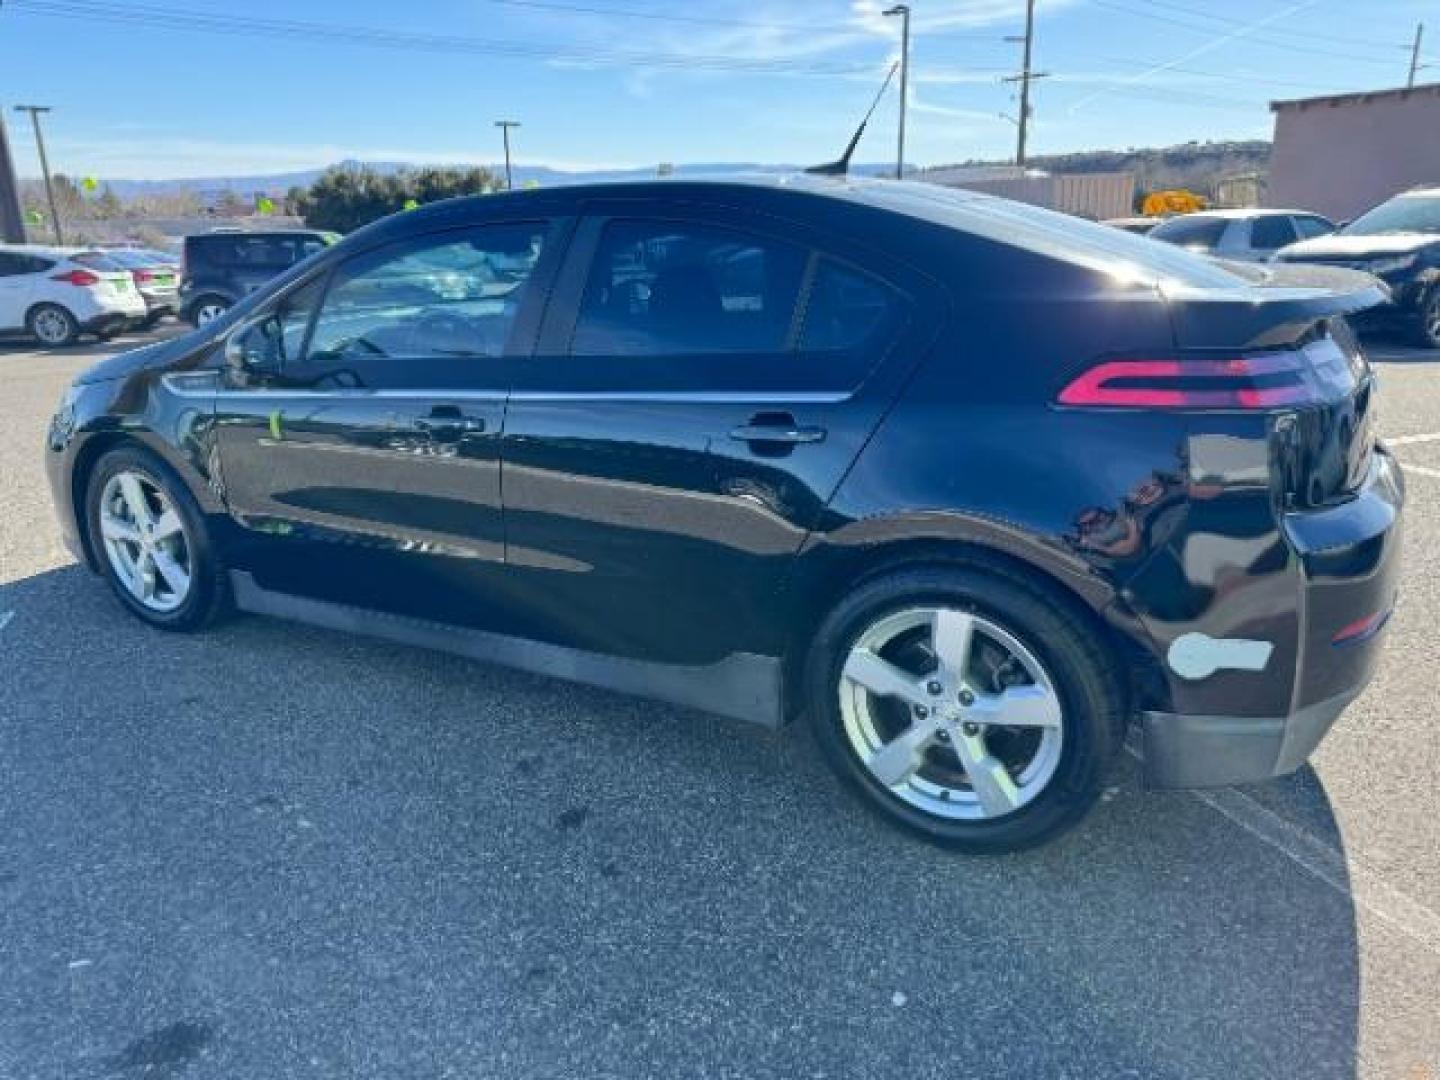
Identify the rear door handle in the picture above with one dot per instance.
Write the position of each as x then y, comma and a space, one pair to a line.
786, 431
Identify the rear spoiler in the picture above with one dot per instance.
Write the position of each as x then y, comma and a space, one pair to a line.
1284, 303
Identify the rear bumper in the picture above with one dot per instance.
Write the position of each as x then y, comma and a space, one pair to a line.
1346, 563
1215, 751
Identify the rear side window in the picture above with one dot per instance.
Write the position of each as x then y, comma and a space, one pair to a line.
1268, 233
14, 263
660, 288
247, 252
848, 312
1194, 232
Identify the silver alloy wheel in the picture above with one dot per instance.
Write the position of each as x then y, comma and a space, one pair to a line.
1432, 318
145, 541
921, 712
208, 313
52, 326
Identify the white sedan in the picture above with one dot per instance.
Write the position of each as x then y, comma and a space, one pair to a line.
44, 291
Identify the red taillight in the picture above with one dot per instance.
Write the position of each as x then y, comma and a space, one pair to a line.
142, 277
1263, 381
77, 277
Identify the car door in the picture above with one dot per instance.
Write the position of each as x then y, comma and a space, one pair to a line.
17, 280
699, 390
359, 428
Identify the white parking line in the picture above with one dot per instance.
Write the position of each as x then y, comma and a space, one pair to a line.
1347, 875
1407, 440
1434, 474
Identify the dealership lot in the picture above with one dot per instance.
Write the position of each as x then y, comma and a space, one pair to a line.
275, 851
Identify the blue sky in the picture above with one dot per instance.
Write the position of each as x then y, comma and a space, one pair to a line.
605, 83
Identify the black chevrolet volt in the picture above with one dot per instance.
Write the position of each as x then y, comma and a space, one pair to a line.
969, 486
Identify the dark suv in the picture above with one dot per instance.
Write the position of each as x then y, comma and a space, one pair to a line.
968, 484
219, 268
1399, 242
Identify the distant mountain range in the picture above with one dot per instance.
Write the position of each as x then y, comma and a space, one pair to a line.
1189, 164
278, 183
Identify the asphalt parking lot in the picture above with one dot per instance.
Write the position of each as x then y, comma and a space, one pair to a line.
271, 851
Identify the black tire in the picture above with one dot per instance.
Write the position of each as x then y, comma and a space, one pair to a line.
1084, 674
209, 597
1427, 329
43, 317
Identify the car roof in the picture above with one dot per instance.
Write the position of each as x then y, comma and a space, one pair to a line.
49, 251
1243, 212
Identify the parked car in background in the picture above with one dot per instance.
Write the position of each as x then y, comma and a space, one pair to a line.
56, 294
156, 276
1248, 235
805, 448
1399, 242
219, 268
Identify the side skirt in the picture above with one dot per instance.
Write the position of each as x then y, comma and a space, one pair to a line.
743, 686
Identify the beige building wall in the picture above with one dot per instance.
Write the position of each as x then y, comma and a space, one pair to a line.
1341, 155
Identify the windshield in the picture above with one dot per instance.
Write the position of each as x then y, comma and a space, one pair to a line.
1402, 214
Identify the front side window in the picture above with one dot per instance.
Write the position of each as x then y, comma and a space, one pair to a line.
661, 288
269, 344
452, 296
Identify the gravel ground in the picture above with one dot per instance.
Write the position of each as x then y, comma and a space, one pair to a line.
270, 851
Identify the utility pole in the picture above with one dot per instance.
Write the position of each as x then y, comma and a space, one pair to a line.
1415, 53
1025, 78
505, 126
35, 111
903, 10
12, 218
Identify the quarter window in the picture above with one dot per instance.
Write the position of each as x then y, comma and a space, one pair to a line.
848, 311
658, 288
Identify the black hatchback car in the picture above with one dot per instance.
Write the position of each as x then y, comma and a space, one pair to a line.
968, 484
221, 267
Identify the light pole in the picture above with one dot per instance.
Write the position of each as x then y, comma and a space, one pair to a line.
1415, 64
903, 10
35, 111
505, 126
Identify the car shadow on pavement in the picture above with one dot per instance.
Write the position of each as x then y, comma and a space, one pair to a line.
293, 846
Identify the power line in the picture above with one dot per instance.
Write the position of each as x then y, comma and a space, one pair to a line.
1250, 38
161, 18
1289, 31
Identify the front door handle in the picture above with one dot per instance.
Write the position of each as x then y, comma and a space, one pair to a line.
777, 429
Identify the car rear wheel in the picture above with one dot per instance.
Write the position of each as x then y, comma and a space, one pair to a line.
208, 309
150, 537
52, 325
965, 704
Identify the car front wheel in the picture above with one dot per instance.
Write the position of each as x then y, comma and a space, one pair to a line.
52, 325
149, 535
965, 704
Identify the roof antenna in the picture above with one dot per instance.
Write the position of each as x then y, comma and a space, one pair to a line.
841, 166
